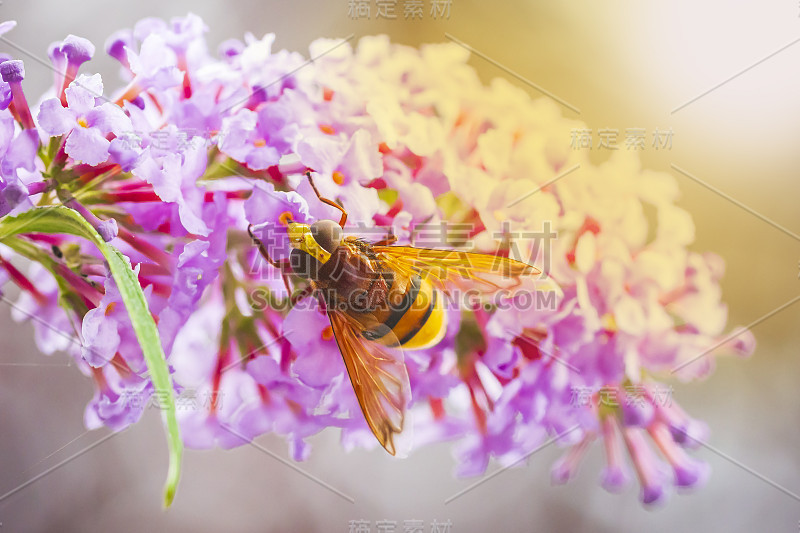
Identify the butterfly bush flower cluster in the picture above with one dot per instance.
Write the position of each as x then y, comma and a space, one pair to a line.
173, 163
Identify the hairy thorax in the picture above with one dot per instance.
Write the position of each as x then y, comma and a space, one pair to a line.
353, 281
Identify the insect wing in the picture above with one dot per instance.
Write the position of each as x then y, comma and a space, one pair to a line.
379, 378
456, 267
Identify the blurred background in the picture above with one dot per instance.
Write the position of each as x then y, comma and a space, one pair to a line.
623, 65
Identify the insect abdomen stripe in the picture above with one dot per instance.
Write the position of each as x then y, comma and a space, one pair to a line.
422, 321
397, 314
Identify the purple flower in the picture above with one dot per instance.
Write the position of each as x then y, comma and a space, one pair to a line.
107, 229
72, 52
69, 55
344, 167
196, 269
615, 475
52, 327
117, 43
5, 87
86, 123
261, 67
258, 140
13, 72
20, 155
230, 48
155, 64
174, 179
270, 212
125, 150
18, 169
179, 34
107, 331
5, 95
185, 31
318, 359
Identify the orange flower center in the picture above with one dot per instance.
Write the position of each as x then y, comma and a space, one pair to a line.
327, 129
259, 143
338, 177
82, 122
285, 218
327, 333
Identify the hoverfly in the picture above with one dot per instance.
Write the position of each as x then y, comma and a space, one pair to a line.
382, 299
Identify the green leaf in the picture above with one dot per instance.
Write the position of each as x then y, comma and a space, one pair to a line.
59, 219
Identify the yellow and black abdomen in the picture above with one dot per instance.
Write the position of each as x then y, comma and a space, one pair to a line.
416, 318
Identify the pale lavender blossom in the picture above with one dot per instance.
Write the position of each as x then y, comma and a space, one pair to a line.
86, 121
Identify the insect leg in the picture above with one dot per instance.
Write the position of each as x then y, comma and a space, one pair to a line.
390, 238
326, 201
302, 294
263, 251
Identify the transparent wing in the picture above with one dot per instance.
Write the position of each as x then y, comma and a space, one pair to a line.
379, 378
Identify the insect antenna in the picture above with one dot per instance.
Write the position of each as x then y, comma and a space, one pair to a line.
327, 201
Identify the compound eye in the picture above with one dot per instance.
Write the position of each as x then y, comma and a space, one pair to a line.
327, 233
303, 264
